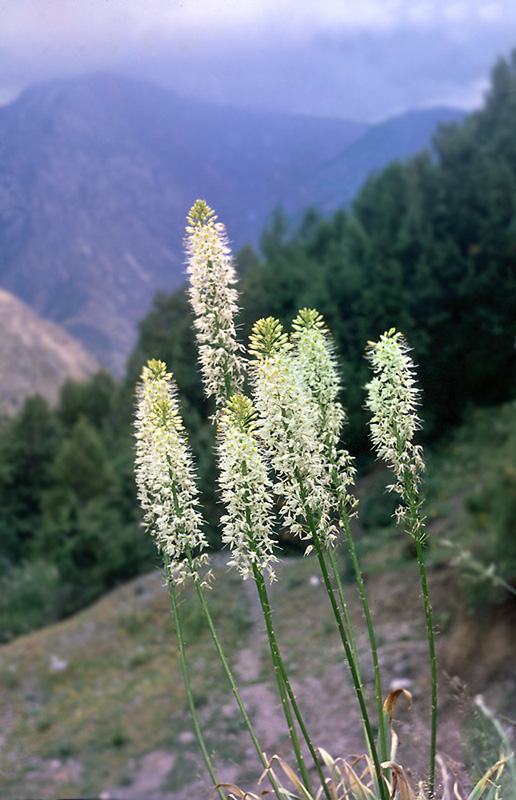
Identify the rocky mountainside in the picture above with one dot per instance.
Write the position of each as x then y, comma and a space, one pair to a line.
98, 173
36, 356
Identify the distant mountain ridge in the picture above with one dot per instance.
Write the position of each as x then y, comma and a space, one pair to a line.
337, 182
36, 356
98, 173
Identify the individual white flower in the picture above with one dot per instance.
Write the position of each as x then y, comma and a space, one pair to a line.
318, 367
246, 490
214, 302
393, 399
287, 423
167, 491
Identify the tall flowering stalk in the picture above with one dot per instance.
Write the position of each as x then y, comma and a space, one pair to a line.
247, 528
317, 364
214, 302
393, 400
291, 425
168, 496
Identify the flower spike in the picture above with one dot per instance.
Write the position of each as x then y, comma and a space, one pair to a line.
393, 399
164, 474
246, 490
214, 302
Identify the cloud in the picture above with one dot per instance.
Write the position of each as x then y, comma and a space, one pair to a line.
334, 57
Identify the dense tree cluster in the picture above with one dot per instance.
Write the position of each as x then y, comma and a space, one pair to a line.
68, 502
429, 247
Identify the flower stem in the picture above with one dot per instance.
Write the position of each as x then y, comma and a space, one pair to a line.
232, 683
415, 530
433, 666
186, 676
262, 593
350, 652
355, 674
284, 688
384, 755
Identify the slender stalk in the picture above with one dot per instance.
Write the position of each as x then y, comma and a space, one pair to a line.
353, 664
281, 677
433, 666
232, 683
416, 533
370, 629
367, 613
262, 593
188, 687
359, 690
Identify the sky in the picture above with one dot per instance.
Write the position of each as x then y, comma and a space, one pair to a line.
364, 60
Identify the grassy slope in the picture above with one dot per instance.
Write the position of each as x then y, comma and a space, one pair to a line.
84, 702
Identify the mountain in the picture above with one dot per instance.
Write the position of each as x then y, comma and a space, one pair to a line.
337, 182
36, 356
97, 175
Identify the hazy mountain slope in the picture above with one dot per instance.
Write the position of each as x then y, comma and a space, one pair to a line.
96, 177
36, 356
98, 173
339, 179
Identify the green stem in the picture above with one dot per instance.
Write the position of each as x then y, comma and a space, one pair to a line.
186, 676
231, 680
431, 646
350, 654
433, 663
415, 530
355, 675
370, 629
281, 676
262, 593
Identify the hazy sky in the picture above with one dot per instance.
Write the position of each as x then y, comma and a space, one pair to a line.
359, 59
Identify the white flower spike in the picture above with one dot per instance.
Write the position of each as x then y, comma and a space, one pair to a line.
246, 490
393, 399
318, 367
164, 471
287, 423
214, 302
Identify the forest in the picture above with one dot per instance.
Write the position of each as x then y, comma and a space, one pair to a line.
428, 247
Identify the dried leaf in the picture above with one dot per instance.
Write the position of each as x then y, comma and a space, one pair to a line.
399, 781
235, 791
390, 702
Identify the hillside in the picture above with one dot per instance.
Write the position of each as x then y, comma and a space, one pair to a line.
95, 706
98, 173
36, 356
